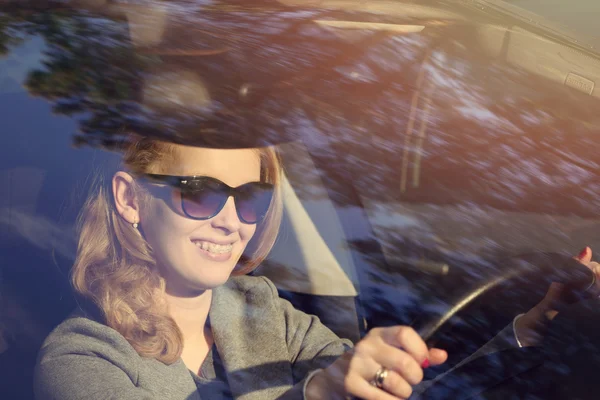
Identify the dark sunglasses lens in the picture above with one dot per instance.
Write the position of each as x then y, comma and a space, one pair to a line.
253, 203
203, 202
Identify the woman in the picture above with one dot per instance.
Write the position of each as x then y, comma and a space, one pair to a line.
168, 311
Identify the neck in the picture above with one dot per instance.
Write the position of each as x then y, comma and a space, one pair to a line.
190, 313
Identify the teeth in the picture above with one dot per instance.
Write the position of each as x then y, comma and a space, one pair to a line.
214, 248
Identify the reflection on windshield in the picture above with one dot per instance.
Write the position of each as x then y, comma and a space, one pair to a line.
413, 159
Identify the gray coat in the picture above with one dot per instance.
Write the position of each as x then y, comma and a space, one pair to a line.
267, 348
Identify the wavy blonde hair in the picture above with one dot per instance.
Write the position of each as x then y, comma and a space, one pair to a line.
115, 268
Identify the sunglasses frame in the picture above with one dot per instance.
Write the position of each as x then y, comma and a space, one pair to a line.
184, 183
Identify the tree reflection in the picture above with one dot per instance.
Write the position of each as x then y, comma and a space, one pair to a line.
484, 132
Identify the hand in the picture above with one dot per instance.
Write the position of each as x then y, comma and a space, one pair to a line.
399, 349
530, 328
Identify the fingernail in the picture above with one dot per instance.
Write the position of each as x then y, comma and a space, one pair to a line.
582, 254
425, 363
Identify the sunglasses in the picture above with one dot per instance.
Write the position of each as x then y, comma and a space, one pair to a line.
203, 197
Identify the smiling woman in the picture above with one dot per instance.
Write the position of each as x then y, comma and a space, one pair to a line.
166, 309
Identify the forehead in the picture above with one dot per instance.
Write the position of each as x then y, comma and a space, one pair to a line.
232, 166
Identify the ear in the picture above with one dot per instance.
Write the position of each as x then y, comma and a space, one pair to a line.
126, 201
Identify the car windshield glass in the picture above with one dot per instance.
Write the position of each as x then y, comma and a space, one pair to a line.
221, 199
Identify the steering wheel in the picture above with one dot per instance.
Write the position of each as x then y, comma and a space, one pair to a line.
579, 281
475, 376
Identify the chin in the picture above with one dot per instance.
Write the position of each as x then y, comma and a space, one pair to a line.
211, 281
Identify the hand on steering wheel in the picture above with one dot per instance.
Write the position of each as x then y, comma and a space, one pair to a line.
530, 327
385, 364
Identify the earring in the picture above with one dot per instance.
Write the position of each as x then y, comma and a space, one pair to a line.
135, 225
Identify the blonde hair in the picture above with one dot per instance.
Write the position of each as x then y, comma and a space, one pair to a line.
115, 268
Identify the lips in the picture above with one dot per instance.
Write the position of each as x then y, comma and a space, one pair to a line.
220, 242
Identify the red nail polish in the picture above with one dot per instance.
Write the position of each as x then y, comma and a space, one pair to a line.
582, 254
425, 363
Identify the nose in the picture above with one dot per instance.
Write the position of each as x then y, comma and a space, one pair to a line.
227, 219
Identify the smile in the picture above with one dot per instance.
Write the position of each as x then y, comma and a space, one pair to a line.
212, 247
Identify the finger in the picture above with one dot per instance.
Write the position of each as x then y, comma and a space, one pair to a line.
400, 361
364, 390
408, 339
585, 256
595, 267
437, 356
398, 386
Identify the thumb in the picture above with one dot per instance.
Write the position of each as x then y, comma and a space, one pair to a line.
437, 356
585, 256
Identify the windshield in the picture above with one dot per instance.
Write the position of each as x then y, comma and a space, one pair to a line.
220, 199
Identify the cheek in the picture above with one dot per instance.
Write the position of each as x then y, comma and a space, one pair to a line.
162, 225
247, 232
175, 201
